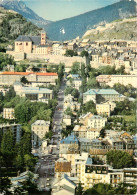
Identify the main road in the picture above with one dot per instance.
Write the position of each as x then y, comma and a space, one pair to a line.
47, 162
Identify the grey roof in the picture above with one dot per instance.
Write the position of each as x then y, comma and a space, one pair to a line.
101, 92
34, 39
41, 123
89, 161
70, 139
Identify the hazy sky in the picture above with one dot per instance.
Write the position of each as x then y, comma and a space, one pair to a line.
60, 9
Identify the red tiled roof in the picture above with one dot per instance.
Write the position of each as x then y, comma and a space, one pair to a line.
28, 73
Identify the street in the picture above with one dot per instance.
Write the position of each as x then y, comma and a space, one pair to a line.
46, 163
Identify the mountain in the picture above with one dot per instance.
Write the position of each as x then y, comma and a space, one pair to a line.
125, 29
76, 26
13, 24
20, 7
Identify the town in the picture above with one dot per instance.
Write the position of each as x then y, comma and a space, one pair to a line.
68, 116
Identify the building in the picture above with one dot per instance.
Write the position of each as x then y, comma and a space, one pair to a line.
111, 80
86, 132
33, 44
105, 108
35, 78
62, 167
77, 83
70, 143
33, 93
8, 113
64, 186
84, 118
130, 176
97, 122
100, 95
15, 128
66, 120
38, 130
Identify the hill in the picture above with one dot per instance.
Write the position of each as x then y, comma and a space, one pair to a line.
78, 25
20, 7
13, 24
122, 29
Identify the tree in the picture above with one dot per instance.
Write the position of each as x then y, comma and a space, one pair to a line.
74, 92
24, 80
89, 107
84, 54
79, 189
75, 68
92, 83
70, 53
48, 135
119, 159
10, 94
5, 185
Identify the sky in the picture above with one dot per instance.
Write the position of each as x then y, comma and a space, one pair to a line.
60, 9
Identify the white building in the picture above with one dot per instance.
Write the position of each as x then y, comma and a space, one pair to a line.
38, 129
8, 113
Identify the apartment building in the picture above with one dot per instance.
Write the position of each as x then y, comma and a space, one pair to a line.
97, 122
105, 108
8, 113
38, 130
35, 78
15, 128
111, 80
100, 95
33, 93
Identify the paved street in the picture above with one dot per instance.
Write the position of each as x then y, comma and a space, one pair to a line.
47, 162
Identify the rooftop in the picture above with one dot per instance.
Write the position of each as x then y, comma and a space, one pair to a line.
41, 123
101, 92
70, 139
29, 73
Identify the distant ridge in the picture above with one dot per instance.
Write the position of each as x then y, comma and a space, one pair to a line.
78, 25
20, 7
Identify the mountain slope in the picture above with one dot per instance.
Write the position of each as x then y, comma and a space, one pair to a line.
20, 7
13, 24
123, 29
78, 25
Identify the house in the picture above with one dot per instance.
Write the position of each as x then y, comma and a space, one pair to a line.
67, 120
84, 118
97, 122
69, 143
86, 132
77, 83
105, 108
84, 42
9, 113
15, 128
62, 167
64, 186
100, 95
38, 130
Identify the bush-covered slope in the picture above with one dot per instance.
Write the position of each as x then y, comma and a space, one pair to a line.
77, 26
125, 29
12, 25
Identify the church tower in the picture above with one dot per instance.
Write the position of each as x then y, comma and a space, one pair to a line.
43, 38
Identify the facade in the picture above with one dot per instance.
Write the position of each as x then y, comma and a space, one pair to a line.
100, 95
33, 93
15, 128
77, 83
70, 143
33, 44
8, 113
105, 108
86, 132
97, 122
113, 79
9, 78
38, 130
130, 176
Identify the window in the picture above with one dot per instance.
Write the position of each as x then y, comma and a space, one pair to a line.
26, 44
